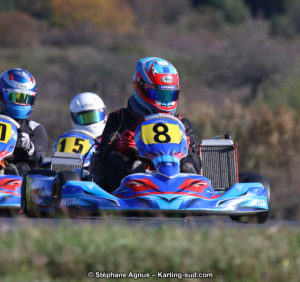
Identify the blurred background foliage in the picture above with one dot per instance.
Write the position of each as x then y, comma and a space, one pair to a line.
238, 60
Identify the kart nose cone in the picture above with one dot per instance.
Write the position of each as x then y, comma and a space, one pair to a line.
168, 165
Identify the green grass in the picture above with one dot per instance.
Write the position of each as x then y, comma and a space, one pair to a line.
68, 252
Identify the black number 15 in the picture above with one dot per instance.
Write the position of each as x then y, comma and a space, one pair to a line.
78, 143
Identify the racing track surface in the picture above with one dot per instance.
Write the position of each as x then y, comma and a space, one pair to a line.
8, 222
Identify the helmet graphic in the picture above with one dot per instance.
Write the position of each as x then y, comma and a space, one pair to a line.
17, 93
156, 84
88, 112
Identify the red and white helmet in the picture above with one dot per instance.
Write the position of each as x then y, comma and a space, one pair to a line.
88, 112
156, 84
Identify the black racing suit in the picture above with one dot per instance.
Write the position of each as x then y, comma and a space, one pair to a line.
38, 136
117, 166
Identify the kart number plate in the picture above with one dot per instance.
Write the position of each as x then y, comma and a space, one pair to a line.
5, 132
161, 133
73, 145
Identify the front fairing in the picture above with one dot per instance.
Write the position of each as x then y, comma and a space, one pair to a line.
186, 192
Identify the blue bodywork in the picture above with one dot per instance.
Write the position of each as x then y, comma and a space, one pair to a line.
161, 139
76, 141
10, 185
10, 192
186, 192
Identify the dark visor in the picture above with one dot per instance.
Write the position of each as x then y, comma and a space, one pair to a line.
162, 93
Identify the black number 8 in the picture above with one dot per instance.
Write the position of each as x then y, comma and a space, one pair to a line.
161, 130
3, 131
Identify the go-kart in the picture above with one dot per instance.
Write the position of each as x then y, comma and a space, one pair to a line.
76, 141
10, 185
161, 139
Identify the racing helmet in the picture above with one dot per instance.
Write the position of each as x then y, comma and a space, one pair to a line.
156, 84
88, 112
17, 93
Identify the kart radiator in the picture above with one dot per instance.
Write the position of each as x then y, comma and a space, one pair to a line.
219, 162
65, 161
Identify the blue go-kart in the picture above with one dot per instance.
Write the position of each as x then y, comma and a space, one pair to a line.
10, 182
220, 190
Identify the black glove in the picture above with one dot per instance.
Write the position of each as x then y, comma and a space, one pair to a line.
25, 144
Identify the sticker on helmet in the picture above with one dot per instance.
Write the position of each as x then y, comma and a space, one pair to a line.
167, 79
162, 62
166, 70
154, 71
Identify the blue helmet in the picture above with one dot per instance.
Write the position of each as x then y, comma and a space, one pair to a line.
17, 93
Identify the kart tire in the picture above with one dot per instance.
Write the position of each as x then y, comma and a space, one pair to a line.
262, 217
60, 180
24, 200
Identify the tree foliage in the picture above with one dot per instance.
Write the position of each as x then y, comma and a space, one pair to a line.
7, 5
114, 15
18, 30
36, 8
232, 11
267, 8
249, 59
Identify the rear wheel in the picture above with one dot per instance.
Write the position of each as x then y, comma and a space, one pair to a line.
261, 217
59, 181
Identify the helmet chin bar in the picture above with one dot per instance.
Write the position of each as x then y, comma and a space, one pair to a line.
169, 104
17, 111
95, 128
162, 109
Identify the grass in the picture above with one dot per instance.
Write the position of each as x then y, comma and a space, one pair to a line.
67, 252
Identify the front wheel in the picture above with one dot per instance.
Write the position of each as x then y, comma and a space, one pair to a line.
261, 217
27, 204
59, 181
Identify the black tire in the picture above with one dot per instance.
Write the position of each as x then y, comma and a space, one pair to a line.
262, 217
59, 181
24, 200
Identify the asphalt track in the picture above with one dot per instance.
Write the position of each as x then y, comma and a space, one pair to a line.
8, 222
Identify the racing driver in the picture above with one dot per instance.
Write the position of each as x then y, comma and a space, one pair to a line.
156, 90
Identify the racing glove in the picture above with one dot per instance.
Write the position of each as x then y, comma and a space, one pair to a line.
24, 143
125, 141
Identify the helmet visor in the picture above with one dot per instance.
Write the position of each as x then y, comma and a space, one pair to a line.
162, 93
20, 98
89, 117
164, 96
